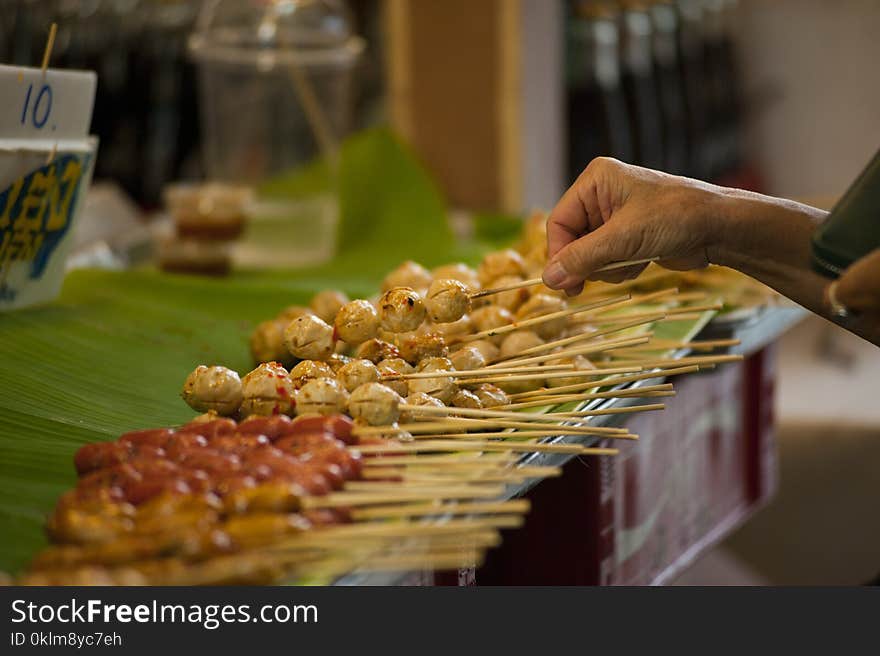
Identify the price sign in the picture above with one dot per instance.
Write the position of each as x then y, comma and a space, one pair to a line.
53, 107
46, 160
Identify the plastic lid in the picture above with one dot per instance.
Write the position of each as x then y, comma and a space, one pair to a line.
267, 33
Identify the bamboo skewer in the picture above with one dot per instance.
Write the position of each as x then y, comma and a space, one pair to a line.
378, 479
47, 52
607, 382
533, 282
400, 530
634, 300
650, 407
463, 373
697, 345
343, 499
452, 460
579, 373
698, 360
672, 314
540, 281
534, 321
482, 413
527, 420
522, 434
506, 414
427, 509
480, 445
557, 343
580, 350
638, 392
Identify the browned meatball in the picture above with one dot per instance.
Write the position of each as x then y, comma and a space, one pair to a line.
501, 263
415, 347
447, 301
395, 366
326, 304
408, 274
267, 342
541, 304
309, 338
401, 310
376, 350
356, 322
491, 316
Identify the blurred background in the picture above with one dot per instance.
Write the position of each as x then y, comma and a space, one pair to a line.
505, 101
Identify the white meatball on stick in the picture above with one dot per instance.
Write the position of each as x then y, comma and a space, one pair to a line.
323, 396
357, 372
213, 388
326, 304
401, 310
447, 301
267, 390
356, 322
409, 274
375, 404
309, 338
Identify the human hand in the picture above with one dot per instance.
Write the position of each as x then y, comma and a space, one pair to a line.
616, 212
858, 289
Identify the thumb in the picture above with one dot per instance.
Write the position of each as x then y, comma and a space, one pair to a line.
574, 263
858, 288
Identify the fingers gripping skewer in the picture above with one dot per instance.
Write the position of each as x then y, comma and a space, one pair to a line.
539, 281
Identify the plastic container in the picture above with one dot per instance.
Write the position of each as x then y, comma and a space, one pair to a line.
46, 163
275, 82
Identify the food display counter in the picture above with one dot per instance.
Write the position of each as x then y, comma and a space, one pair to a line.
700, 469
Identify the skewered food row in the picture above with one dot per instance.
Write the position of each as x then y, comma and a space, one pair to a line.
157, 505
216, 456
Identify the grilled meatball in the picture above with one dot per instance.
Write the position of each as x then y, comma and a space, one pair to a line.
415, 347
376, 404
517, 342
440, 387
501, 263
401, 310
488, 349
489, 317
541, 304
376, 350
267, 342
326, 304
357, 321
308, 370
512, 299
460, 272
395, 366
466, 399
447, 301
213, 388
418, 398
309, 338
267, 390
357, 372
408, 274
322, 396
491, 396
468, 358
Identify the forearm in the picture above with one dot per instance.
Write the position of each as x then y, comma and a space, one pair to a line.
768, 239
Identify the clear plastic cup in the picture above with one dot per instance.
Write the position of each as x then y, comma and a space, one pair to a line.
275, 82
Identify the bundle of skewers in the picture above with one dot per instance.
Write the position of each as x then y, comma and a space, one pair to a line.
373, 433
459, 346
268, 499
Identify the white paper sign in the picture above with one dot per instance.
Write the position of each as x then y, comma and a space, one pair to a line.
46, 161
45, 110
